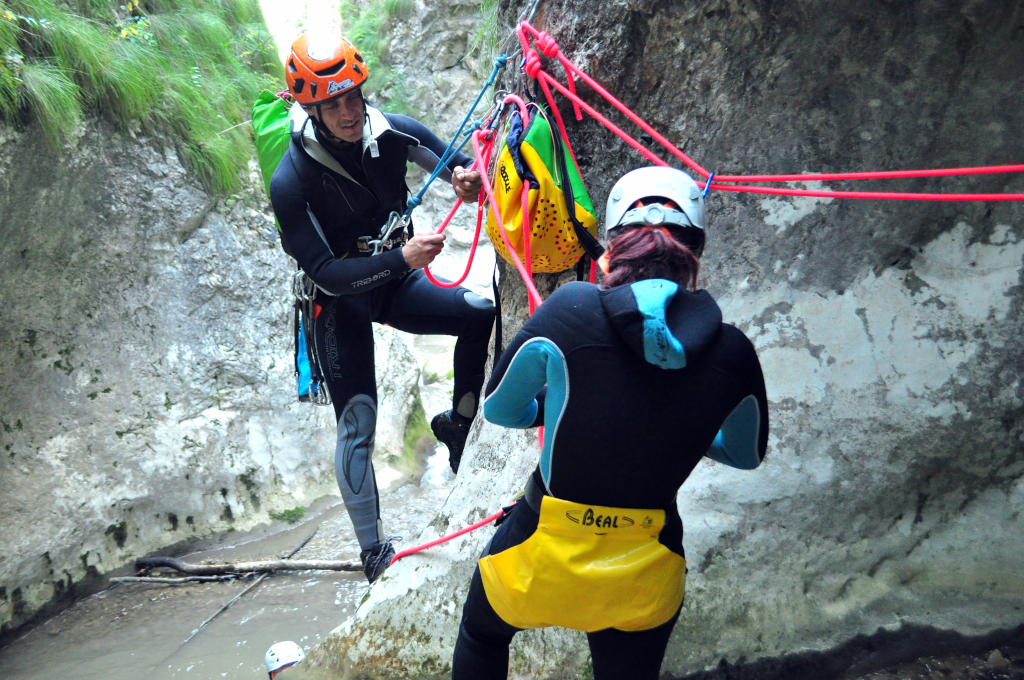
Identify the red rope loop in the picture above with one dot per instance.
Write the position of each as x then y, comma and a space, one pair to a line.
532, 65
547, 45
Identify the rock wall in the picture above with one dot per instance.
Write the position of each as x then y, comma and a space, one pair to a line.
147, 393
889, 507
440, 61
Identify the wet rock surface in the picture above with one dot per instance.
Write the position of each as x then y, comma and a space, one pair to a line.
887, 514
1006, 663
147, 395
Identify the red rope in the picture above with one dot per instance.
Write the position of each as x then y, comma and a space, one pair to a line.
547, 45
572, 69
482, 152
531, 290
472, 249
545, 77
878, 195
444, 539
882, 174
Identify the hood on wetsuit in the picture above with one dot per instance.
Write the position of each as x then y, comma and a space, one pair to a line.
663, 323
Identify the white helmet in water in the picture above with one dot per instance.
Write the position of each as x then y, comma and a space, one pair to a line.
282, 655
656, 196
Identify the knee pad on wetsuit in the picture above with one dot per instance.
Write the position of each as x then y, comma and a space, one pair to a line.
354, 470
480, 307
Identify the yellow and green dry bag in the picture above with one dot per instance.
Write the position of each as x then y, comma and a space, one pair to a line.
562, 222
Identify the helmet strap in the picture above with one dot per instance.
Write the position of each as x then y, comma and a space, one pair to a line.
321, 127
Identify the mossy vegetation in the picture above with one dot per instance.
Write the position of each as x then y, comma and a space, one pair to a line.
292, 516
488, 39
367, 25
188, 67
419, 441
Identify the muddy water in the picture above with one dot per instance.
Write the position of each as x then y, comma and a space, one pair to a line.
137, 630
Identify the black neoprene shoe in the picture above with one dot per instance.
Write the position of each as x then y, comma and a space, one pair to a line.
376, 559
451, 429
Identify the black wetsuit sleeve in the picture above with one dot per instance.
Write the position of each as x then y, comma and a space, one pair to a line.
430, 148
742, 440
335, 275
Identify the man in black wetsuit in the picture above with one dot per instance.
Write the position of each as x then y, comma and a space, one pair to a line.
341, 179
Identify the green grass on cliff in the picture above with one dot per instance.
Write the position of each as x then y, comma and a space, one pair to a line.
188, 67
367, 26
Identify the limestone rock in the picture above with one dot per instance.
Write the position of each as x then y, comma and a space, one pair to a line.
889, 332
147, 392
398, 395
997, 660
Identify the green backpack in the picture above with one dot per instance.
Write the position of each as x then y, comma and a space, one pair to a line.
273, 135
270, 121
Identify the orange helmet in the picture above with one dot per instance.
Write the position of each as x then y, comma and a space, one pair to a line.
322, 68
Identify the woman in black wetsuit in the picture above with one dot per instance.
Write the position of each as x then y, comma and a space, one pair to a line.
635, 381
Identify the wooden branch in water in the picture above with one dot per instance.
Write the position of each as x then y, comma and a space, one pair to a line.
252, 585
246, 567
186, 579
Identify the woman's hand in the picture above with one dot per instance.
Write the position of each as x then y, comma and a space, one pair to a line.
422, 249
467, 184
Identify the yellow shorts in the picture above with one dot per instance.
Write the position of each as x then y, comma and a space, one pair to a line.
588, 568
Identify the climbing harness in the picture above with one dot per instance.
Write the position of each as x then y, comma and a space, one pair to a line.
396, 223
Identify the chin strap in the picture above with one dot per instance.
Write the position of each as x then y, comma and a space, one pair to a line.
323, 129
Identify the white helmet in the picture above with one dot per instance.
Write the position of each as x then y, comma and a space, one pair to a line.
674, 185
281, 655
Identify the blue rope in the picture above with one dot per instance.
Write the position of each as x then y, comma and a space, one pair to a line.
449, 153
707, 187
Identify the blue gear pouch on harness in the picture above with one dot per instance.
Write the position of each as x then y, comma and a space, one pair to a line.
303, 373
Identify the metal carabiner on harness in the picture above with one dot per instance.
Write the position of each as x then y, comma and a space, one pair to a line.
395, 223
319, 396
304, 290
303, 287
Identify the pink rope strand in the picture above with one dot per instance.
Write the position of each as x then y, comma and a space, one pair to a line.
550, 48
444, 539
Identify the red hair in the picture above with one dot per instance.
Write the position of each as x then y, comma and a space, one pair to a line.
650, 253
